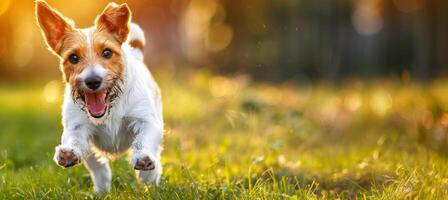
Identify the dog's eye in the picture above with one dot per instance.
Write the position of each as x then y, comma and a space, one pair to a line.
73, 58
107, 53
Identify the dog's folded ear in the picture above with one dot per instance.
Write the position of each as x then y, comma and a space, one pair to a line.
116, 20
53, 25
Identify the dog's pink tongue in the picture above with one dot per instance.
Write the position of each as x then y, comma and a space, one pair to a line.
96, 103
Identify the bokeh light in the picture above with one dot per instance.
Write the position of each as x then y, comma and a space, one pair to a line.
223, 87
52, 91
381, 102
353, 101
219, 37
24, 43
367, 19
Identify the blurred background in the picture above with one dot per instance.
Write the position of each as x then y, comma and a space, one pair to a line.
285, 40
349, 97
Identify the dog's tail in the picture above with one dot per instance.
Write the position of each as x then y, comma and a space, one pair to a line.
137, 41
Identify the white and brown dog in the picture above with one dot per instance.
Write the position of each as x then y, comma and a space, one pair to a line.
111, 102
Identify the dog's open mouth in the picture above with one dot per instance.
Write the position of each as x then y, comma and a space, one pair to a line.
96, 103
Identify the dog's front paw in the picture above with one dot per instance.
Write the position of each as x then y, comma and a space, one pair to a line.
144, 163
66, 157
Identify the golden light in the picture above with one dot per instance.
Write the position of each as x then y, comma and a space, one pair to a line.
4, 5
381, 102
52, 92
195, 26
353, 102
23, 43
223, 87
219, 37
3, 47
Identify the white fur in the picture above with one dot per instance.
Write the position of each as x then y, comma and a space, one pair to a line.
87, 32
100, 172
134, 122
94, 70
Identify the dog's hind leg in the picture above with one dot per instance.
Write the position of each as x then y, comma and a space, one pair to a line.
100, 172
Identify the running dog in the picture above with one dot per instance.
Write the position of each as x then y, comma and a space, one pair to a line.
112, 105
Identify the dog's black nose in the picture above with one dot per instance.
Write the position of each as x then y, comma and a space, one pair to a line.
93, 82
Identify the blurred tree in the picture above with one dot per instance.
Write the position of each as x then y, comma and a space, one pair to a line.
285, 39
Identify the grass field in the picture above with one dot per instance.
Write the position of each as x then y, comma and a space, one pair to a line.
236, 139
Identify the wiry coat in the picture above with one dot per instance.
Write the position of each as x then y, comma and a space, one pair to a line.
128, 97
134, 119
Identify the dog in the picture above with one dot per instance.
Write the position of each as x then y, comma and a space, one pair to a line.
112, 104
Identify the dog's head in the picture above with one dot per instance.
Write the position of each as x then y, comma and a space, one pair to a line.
91, 59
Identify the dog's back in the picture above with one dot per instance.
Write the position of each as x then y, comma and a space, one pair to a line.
137, 41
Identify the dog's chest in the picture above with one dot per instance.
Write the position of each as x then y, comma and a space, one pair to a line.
113, 136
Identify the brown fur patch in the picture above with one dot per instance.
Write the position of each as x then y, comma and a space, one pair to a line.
137, 44
90, 54
115, 19
53, 25
111, 30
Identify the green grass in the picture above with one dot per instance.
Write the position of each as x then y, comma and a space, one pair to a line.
233, 139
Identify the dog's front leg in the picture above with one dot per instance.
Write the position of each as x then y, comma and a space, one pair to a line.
146, 150
74, 145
